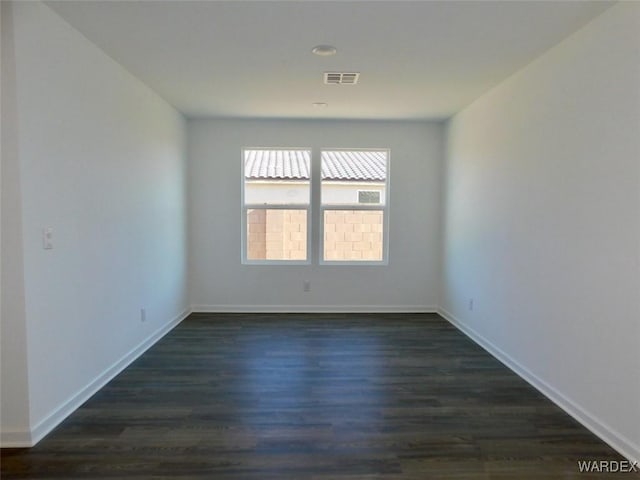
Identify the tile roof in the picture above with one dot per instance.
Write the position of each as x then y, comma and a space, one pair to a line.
354, 165
277, 164
295, 165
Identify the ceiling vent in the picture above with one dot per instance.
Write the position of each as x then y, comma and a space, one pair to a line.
341, 78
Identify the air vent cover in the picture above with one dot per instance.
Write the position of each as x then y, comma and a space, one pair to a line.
341, 78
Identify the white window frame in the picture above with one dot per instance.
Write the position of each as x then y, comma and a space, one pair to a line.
266, 206
358, 206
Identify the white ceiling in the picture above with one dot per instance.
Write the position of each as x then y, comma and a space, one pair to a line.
417, 59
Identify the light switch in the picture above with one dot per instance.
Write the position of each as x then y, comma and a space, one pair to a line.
47, 238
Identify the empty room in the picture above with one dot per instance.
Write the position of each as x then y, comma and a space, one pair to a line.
320, 240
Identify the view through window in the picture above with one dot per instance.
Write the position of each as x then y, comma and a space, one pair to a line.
354, 186
277, 206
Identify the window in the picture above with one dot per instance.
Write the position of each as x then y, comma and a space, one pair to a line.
353, 208
368, 196
275, 206
278, 213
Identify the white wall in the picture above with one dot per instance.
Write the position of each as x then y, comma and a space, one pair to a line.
218, 281
542, 224
14, 399
282, 192
345, 193
277, 192
100, 158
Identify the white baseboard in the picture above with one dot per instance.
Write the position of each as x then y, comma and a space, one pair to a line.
19, 439
16, 439
614, 439
314, 309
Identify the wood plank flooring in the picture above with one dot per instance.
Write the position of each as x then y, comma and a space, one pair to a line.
317, 397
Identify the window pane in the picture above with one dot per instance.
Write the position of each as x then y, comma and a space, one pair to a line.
354, 235
277, 177
345, 173
276, 234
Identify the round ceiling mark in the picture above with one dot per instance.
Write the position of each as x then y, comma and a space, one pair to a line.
324, 50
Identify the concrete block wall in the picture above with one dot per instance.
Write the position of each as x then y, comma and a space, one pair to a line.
353, 235
256, 234
277, 234
282, 234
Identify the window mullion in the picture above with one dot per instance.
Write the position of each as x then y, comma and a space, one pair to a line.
315, 223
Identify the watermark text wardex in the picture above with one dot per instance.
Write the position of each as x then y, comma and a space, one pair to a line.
608, 466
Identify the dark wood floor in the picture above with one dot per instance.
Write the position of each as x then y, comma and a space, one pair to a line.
318, 397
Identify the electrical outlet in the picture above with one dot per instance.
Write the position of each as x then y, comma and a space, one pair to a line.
306, 286
143, 315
